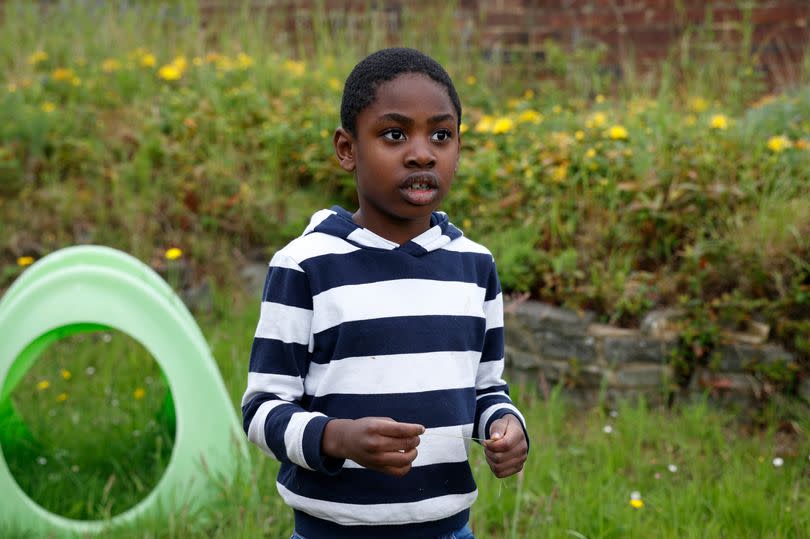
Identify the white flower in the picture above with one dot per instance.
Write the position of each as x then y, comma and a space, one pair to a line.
672, 468
614, 413
635, 495
42, 461
778, 462
90, 370
607, 429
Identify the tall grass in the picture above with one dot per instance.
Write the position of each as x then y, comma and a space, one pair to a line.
700, 471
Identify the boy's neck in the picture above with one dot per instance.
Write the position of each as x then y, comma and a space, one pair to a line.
400, 232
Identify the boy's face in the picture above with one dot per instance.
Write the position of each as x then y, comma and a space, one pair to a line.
404, 155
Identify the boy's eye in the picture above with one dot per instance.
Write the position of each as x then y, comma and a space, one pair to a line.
441, 135
394, 134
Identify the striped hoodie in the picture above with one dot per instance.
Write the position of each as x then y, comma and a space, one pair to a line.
353, 325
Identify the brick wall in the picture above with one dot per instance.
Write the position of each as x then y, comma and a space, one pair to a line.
639, 30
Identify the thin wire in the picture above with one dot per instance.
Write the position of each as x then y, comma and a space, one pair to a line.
458, 437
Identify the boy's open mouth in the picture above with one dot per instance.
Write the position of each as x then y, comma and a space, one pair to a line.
420, 188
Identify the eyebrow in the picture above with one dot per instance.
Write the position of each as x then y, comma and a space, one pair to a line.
396, 117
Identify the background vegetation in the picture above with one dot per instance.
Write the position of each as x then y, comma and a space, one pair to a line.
140, 126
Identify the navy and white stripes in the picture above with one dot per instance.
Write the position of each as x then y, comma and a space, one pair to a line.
353, 325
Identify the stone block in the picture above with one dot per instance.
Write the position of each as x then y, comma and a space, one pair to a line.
662, 323
634, 350
743, 357
641, 375
540, 317
566, 347
518, 336
520, 359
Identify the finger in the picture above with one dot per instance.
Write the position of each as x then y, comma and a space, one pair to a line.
516, 452
385, 444
511, 436
395, 459
395, 429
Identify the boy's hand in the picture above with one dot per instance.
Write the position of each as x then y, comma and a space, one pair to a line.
506, 448
377, 443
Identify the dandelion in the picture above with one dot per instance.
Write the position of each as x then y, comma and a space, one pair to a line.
147, 59
528, 94
110, 64
62, 397
38, 57
530, 116
62, 73
595, 120
173, 253
614, 413
334, 84
463, 128
24, 261
579, 135
295, 68
778, 462
559, 173
197, 61
470, 80
90, 371
42, 385
690, 120
600, 99
635, 500
618, 132
698, 104
243, 60
607, 429
170, 72
66, 374
779, 144
76, 81
502, 125
485, 124
466, 223
590, 153
672, 468
48, 107
139, 393
719, 122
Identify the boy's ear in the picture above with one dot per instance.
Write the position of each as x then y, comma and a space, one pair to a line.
344, 149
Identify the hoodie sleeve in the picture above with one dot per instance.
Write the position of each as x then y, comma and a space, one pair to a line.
491, 390
273, 417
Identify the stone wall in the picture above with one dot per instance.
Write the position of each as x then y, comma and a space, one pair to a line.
547, 346
517, 31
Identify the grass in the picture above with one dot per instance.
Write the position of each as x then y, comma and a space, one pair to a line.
577, 483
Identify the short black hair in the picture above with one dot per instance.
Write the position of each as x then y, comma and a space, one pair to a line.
360, 89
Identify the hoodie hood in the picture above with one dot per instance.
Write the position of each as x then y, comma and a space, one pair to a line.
338, 222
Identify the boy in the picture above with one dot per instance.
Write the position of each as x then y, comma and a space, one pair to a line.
382, 330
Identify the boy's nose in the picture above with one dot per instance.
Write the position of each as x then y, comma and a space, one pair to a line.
420, 155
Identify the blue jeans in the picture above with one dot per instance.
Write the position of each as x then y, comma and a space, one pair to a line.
463, 533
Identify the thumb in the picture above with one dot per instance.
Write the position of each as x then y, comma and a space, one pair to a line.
497, 430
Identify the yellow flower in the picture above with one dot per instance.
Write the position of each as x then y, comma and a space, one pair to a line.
485, 124
76, 81
110, 64
295, 68
62, 397
62, 73
559, 173
530, 116
556, 109
148, 59
597, 119
590, 154
502, 125
600, 98
48, 107
698, 104
466, 223
528, 94
170, 72
38, 57
719, 121
779, 144
139, 393
173, 254
463, 128
334, 84
180, 63
470, 80
618, 132
43, 385
66, 374
24, 261
637, 503
243, 60
579, 135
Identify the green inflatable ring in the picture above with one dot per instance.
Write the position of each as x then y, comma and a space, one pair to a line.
88, 288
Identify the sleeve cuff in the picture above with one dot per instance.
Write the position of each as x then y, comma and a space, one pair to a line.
497, 414
316, 460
